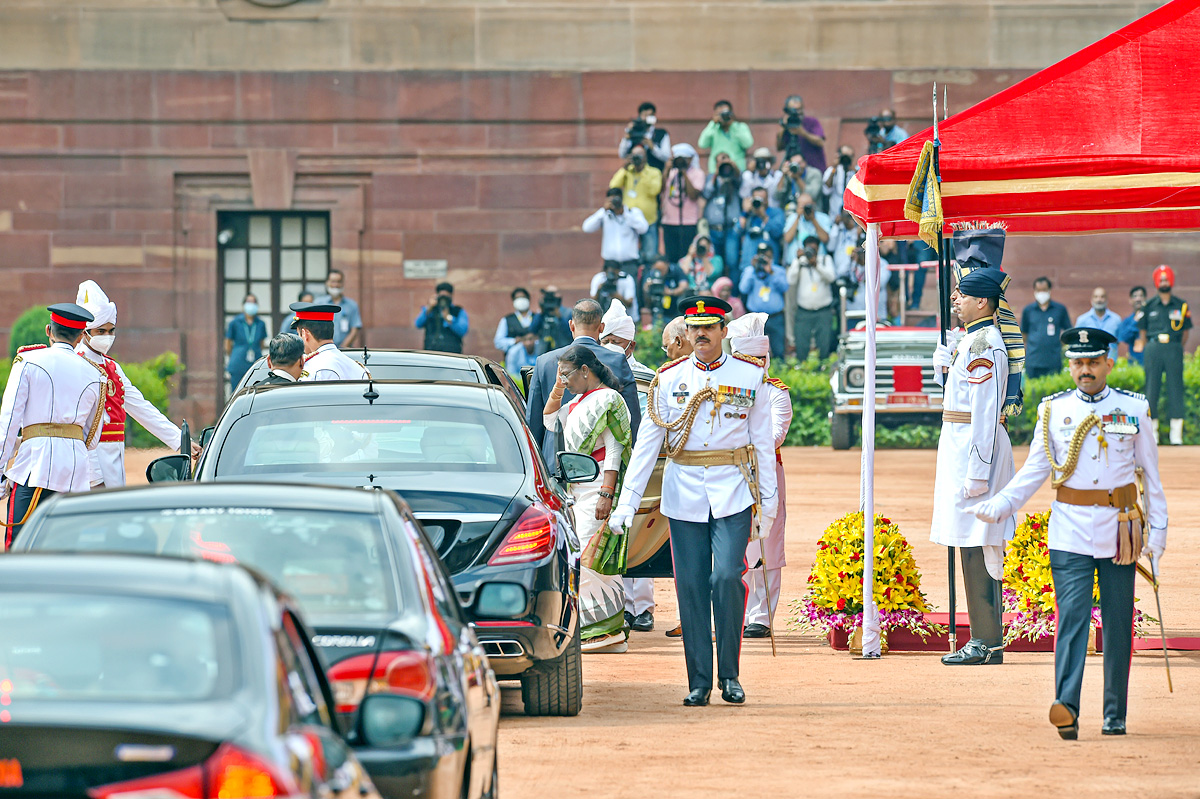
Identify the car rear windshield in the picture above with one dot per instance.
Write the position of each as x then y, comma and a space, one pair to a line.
332, 562
402, 371
376, 438
68, 646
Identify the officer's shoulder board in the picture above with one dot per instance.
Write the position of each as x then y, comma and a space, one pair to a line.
669, 364
775, 381
1055, 396
1128, 393
759, 362
28, 348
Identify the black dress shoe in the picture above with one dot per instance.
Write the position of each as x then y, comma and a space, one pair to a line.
697, 698
628, 620
641, 623
1113, 727
731, 691
1066, 721
975, 653
756, 631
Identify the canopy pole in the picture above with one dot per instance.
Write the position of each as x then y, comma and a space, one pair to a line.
870, 626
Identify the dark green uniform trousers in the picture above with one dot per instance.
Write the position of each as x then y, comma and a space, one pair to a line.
1168, 359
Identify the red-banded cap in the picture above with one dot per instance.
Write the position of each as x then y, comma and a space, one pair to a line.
68, 314
312, 312
704, 310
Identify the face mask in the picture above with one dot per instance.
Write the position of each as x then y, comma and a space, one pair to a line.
650, 120
250, 309
1042, 297
101, 344
334, 292
521, 304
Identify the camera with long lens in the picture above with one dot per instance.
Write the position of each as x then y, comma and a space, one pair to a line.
681, 163
849, 284
756, 203
655, 289
443, 302
874, 127
726, 115
792, 121
638, 130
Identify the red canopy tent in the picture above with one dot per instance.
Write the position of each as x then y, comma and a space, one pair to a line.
1106, 139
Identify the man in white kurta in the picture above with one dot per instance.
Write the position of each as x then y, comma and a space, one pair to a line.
766, 554
52, 411
974, 462
122, 398
706, 495
1090, 538
323, 360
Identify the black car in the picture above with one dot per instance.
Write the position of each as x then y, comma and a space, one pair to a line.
417, 365
462, 458
383, 612
124, 676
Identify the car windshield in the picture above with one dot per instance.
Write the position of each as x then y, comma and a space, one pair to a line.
377, 438
67, 646
333, 563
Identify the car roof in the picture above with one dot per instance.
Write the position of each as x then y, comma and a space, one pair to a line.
151, 575
392, 392
235, 495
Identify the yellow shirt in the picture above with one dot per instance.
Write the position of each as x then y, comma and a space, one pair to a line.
641, 189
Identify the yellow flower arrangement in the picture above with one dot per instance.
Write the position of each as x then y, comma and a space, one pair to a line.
834, 598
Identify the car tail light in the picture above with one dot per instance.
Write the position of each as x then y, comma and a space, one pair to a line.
529, 540
229, 772
410, 673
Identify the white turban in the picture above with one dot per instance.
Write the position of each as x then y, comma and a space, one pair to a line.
685, 150
617, 322
747, 335
93, 298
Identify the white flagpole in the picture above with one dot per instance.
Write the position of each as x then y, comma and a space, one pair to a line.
870, 628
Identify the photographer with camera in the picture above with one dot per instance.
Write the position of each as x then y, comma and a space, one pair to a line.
765, 285
621, 229
643, 129
663, 284
641, 184
761, 176
551, 323
882, 132
844, 237
761, 225
798, 178
612, 283
723, 208
701, 265
444, 322
681, 201
803, 222
811, 276
833, 187
801, 134
724, 134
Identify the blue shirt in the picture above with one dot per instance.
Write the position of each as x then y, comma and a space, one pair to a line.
1042, 329
344, 320
764, 294
516, 358
459, 323
1127, 333
1110, 323
247, 338
804, 229
772, 233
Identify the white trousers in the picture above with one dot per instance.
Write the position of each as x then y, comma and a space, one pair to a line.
639, 594
756, 595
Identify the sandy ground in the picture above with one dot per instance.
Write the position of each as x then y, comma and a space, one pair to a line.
822, 723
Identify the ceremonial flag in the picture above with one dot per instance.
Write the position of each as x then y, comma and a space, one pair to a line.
924, 203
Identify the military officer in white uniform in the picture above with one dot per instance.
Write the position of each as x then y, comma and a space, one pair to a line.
122, 398
975, 460
322, 359
766, 555
717, 432
1091, 442
53, 408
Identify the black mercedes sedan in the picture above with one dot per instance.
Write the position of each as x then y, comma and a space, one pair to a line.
137, 677
462, 458
383, 613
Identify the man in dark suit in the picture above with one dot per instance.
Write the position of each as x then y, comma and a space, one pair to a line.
285, 357
585, 327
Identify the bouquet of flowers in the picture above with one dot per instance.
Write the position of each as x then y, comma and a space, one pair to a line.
834, 598
1029, 589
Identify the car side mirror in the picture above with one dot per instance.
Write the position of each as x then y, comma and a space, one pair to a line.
575, 467
498, 600
387, 720
206, 436
170, 469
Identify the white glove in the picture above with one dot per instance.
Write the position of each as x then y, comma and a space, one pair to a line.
621, 518
1155, 544
973, 487
942, 356
990, 510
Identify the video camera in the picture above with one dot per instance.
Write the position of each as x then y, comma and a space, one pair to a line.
849, 284
550, 303
874, 127
638, 129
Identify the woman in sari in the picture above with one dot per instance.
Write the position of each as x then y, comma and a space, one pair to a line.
594, 421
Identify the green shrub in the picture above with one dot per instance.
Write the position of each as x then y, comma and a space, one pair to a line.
812, 399
153, 378
647, 348
30, 328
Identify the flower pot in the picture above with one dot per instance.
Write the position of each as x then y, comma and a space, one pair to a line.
856, 642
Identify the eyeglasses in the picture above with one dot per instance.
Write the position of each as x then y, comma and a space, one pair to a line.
564, 375
664, 349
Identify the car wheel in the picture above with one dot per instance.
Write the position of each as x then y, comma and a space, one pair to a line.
555, 688
841, 428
